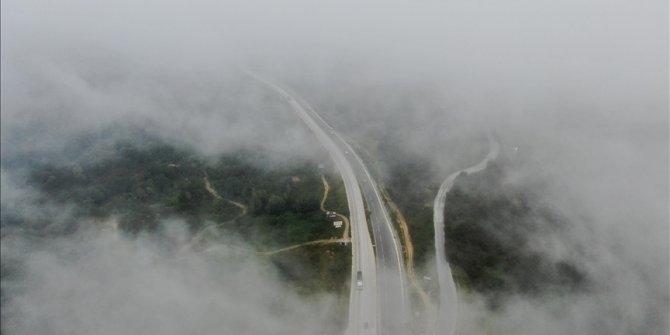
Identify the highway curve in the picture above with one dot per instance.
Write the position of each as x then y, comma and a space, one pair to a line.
446, 317
363, 311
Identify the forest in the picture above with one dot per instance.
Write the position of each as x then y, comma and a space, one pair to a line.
268, 204
489, 225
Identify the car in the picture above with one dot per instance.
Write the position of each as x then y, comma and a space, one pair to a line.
359, 280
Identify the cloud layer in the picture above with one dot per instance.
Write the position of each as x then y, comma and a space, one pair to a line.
103, 282
579, 86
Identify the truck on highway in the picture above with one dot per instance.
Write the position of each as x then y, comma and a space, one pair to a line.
359, 280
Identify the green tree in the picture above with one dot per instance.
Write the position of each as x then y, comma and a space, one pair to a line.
306, 202
275, 205
258, 200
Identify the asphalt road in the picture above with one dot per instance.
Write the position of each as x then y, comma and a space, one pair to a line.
363, 303
391, 279
393, 301
448, 304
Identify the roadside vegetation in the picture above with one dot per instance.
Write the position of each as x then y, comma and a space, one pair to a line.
337, 196
407, 184
410, 189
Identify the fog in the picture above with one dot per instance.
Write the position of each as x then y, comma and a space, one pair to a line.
101, 282
580, 87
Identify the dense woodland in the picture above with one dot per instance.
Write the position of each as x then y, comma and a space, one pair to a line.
489, 224
142, 185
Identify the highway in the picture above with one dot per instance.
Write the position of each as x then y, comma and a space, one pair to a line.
391, 280
446, 318
393, 301
363, 302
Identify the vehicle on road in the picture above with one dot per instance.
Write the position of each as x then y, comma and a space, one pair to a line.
359, 280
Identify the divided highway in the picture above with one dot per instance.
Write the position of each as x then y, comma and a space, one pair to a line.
448, 303
381, 306
393, 298
363, 308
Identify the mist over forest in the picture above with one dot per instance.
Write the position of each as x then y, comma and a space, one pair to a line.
575, 92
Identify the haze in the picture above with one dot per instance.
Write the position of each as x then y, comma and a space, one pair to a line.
580, 87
